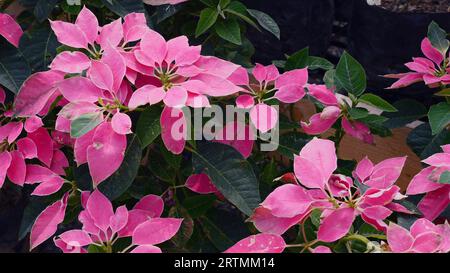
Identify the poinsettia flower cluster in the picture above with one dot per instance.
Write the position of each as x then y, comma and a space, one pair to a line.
102, 227
176, 74
433, 69
96, 85
433, 181
422, 237
337, 196
268, 84
22, 140
335, 107
94, 88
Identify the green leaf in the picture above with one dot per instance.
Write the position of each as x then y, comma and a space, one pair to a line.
72, 9
43, 8
229, 30
172, 159
35, 206
443, 93
376, 124
301, 59
96, 249
291, 143
424, 144
438, 37
207, 19
85, 123
210, 3
350, 75
186, 230
148, 126
377, 102
229, 172
119, 182
439, 117
297, 60
224, 3
358, 113
445, 178
329, 78
164, 12
159, 167
39, 47
198, 205
240, 10
265, 21
408, 110
223, 227
269, 172
219, 239
123, 7
314, 63
14, 68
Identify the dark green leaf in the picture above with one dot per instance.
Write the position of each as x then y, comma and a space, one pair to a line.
223, 227
439, 117
198, 205
424, 144
408, 111
265, 21
350, 75
35, 206
291, 143
123, 7
376, 124
230, 173
377, 102
319, 63
224, 3
358, 113
164, 12
39, 47
269, 172
207, 19
159, 167
297, 60
14, 68
186, 229
229, 30
148, 125
121, 180
240, 10
210, 3
43, 9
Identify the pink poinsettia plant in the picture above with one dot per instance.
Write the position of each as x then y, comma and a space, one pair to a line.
432, 69
102, 138
370, 194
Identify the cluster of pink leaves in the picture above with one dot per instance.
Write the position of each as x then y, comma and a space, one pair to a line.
104, 68
340, 201
433, 69
113, 60
102, 227
16, 152
334, 104
437, 195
